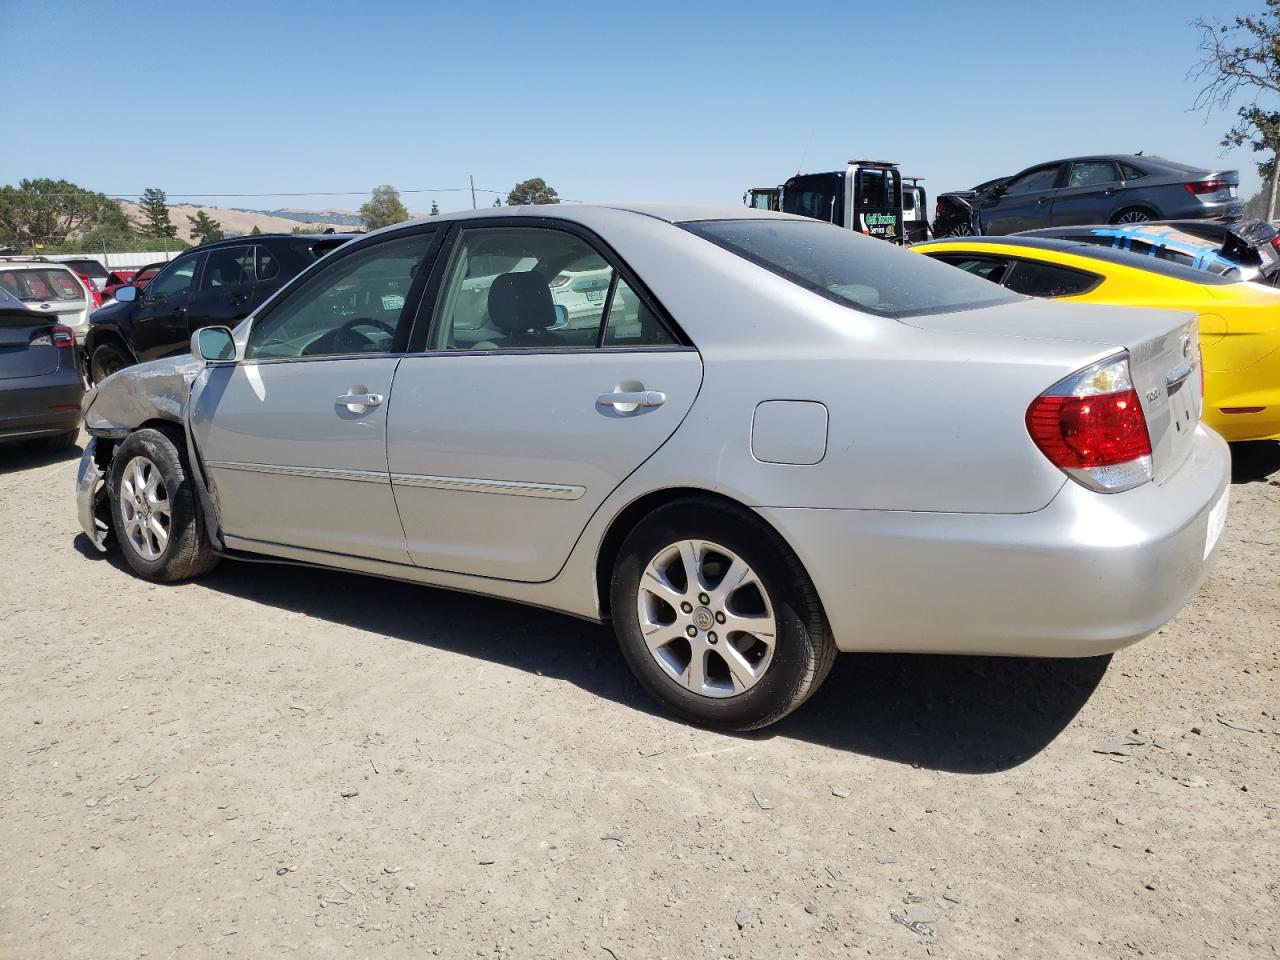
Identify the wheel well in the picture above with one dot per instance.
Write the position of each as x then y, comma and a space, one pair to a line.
1145, 208
98, 338
630, 517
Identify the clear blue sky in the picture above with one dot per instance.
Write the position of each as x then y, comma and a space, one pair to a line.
684, 101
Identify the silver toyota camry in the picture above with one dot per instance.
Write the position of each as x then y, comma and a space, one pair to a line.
746, 440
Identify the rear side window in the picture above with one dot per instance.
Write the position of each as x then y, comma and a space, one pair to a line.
1130, 172
988, 268
1091, 173
853, 270
268, 265
228, 267
1049, 280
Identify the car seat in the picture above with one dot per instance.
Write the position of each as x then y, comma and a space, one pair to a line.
520, 306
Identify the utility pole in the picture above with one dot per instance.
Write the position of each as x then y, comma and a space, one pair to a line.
473, 191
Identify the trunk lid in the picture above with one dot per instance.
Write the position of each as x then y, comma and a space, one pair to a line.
21, 352
1163, 349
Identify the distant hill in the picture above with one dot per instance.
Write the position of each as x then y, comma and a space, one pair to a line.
331, 217
238, 222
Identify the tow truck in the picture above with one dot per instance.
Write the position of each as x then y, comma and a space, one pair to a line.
866, 196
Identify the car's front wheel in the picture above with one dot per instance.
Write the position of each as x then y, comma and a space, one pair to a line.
717, 618
106, 360
155, 510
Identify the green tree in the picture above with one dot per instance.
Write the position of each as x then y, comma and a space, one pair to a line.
155, 214
531, 191
255, 232
205, 229
1241, 60
51, 212
383, 208
435, 209
497, 201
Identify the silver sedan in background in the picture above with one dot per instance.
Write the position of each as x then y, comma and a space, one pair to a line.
771, 440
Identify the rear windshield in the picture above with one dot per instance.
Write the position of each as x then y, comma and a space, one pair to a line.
41, 283
853, 270
90, 268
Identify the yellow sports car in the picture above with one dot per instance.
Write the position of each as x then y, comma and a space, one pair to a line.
1239, 320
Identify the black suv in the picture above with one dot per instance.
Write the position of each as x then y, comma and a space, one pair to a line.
217, 283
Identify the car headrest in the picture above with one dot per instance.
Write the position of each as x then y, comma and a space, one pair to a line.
520, 302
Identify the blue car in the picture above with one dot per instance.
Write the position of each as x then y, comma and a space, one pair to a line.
1245, 250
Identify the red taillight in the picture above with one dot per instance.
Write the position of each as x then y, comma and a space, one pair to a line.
1198, 187
62, 336
1085, 432
937, 209
1091, 425
560, 280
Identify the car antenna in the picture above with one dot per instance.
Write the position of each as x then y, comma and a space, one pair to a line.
807, 144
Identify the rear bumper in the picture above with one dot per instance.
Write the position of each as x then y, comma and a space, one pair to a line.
1088, 574
26, 405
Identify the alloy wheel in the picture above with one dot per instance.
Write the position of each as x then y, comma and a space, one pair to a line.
1133, 216
145, 508
706, 618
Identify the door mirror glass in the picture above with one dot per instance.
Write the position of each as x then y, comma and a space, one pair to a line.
127, 294
562, 316
213, 345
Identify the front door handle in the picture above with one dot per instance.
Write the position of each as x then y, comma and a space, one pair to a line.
625, 401
358, 402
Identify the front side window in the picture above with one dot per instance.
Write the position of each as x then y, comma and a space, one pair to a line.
817, 195
173, 280
522, 288
1034, 279
1091, 173
853, 270
354, 305
1034, 181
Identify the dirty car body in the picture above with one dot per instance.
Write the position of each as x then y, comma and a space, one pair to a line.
759, 386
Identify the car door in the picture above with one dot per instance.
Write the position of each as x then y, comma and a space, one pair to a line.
158, 327
293, 435
508, 428
1086, 197
1024, 203
224, 294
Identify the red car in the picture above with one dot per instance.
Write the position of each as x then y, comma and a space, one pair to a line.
138, 278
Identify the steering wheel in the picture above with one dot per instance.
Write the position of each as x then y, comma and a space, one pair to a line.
345, 338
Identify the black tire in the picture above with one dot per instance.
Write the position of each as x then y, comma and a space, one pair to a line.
1133, 215
106, 360
59, 441
959, 230
186, 551
803, 652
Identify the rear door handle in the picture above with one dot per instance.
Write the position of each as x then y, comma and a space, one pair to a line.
358, 402
628, 400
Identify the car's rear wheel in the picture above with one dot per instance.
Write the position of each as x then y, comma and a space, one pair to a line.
1133, 215
959, 230
106, 360
717, 618
155, 511
59, 441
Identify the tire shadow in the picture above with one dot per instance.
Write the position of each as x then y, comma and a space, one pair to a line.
960, 714
1255, 461
18, 456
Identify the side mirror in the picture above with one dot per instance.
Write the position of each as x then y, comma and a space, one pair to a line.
562, 317
126, 294
213, 345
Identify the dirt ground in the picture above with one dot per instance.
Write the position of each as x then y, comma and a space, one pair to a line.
282, 762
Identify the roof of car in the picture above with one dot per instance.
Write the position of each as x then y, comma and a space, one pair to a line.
1093, 251
254, 238
42, 263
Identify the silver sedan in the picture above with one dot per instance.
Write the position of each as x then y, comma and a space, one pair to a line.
774, 440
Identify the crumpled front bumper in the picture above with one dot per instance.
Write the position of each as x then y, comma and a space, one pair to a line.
90, 495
